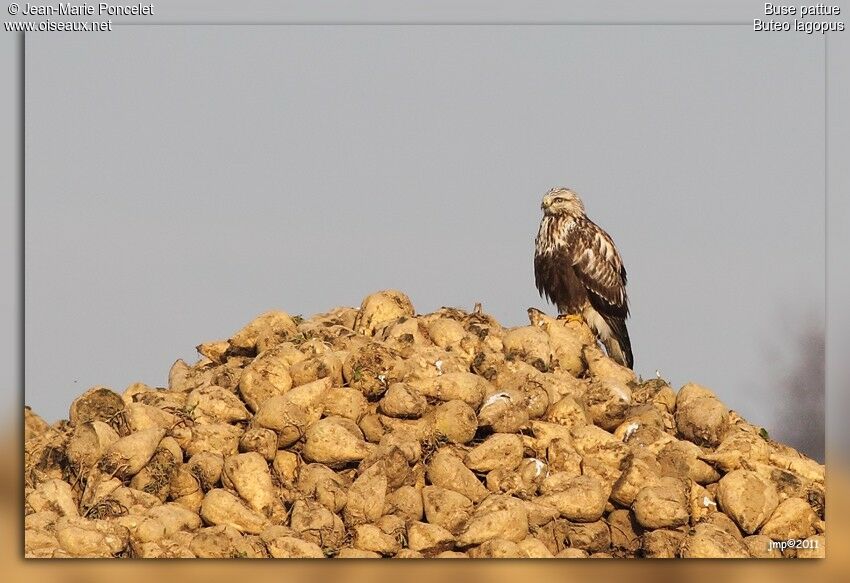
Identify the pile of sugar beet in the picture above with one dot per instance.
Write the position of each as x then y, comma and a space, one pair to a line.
376, 432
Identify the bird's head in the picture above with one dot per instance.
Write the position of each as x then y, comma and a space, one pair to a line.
562, 201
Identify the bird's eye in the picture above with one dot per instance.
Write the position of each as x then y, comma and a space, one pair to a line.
559, 199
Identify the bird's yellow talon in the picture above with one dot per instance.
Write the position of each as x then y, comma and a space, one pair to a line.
574, 318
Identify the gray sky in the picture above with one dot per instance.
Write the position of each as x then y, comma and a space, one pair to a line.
182, 180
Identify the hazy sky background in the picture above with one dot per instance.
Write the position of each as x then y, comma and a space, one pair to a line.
182, 180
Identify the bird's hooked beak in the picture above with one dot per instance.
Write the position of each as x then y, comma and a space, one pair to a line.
547, 202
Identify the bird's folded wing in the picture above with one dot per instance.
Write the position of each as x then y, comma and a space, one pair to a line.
598, 264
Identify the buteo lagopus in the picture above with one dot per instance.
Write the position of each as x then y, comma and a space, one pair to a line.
578, 268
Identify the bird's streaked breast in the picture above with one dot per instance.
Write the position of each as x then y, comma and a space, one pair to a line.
552, 234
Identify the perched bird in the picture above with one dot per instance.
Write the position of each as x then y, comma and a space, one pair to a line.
578, 268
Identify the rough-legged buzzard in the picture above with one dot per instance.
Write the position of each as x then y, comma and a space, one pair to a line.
578, 268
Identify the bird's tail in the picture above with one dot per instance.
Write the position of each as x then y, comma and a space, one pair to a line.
619, 346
